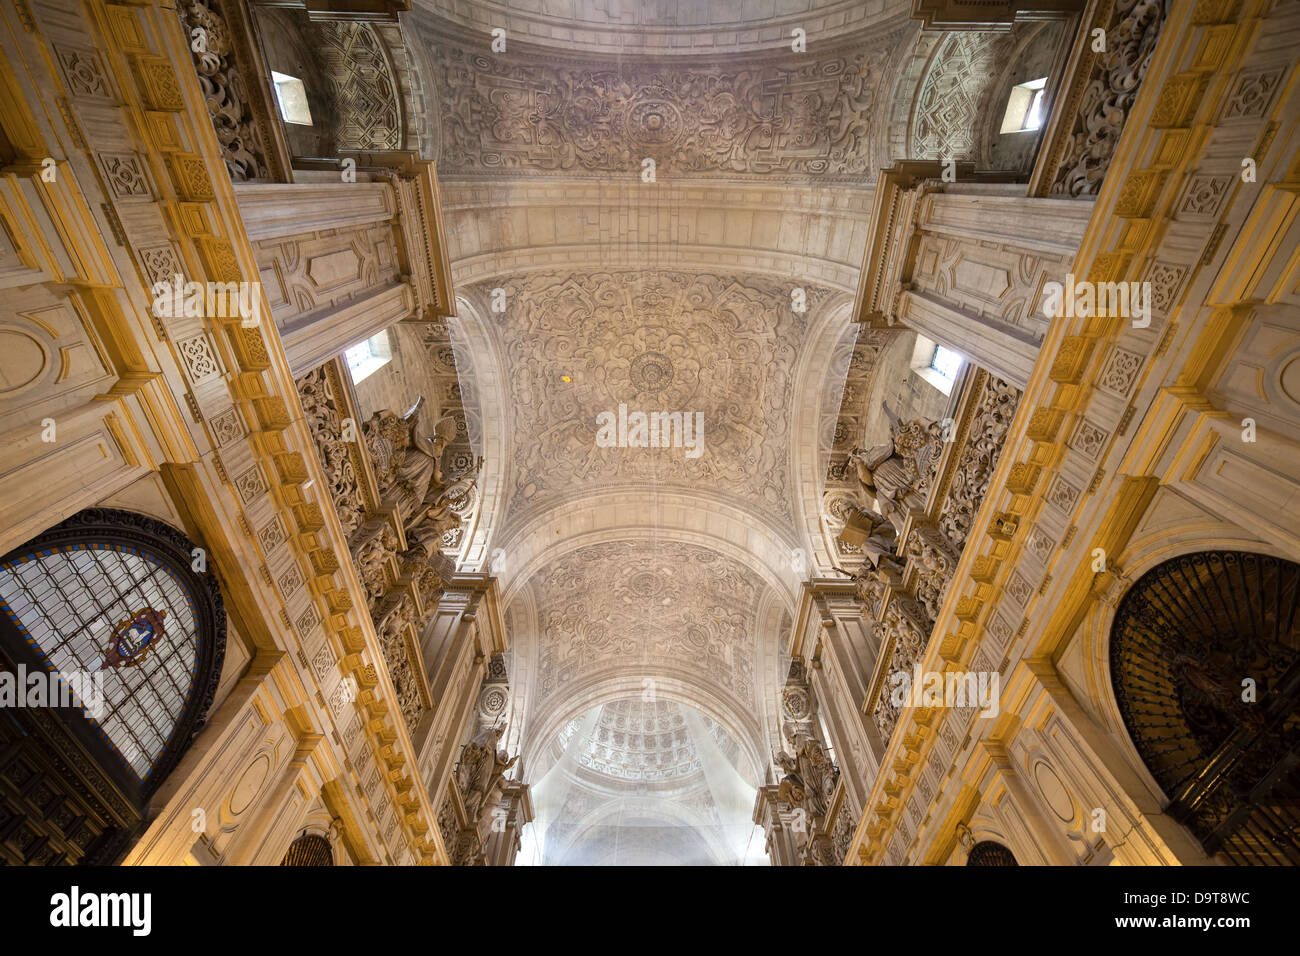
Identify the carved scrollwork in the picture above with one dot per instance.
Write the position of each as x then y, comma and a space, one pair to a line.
842, 833
1110, 94
372, 559
321, 407
935, 559
547, 114
979, 456
392, 630
908, 629
224, 90
872, 585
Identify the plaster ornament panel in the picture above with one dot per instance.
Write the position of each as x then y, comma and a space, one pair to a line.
641, 608
250, 485
785, 114
361, 80
125, 175
1253, 94
950, 107
654, 341
1120, 371
1112, 90
83, 71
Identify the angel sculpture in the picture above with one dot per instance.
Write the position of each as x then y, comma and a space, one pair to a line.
817, 773
407, 454
809, 781
791, 790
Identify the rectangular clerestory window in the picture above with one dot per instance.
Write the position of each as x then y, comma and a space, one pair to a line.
292, 96
936, 365
1025, 106
369, 356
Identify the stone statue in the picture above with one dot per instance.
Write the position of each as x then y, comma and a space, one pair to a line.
791, 790
871, 584
481, 774
407, 455
810, 777
436, 516
896, 472
870, 532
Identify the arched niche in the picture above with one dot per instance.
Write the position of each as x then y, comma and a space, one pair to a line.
111, 642
990, 853
309, 849
1205, 668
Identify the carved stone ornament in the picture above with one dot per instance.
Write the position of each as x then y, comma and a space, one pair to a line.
808, 785
935, 559
979, 456
481, 775
721, 347
906, 625
392, 631
1111, 93
224, 90
321, 410
783, 114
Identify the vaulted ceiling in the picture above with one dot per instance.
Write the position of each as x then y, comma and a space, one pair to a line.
669, 27
720, 283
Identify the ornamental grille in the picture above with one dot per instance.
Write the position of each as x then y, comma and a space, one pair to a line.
1192, 639
310, 849
989, 853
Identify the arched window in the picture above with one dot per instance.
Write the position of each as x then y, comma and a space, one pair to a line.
310, 849
1205, 663
990, 853
111, 645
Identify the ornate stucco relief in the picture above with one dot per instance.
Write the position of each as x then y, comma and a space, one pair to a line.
794, 115
638, 607
653, 341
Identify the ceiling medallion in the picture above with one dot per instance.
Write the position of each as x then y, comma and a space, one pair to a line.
651, 372
653, 120
645, 585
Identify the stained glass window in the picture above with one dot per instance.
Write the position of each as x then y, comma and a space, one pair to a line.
120, 621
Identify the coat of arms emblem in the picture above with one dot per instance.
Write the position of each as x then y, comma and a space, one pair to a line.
133, 638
